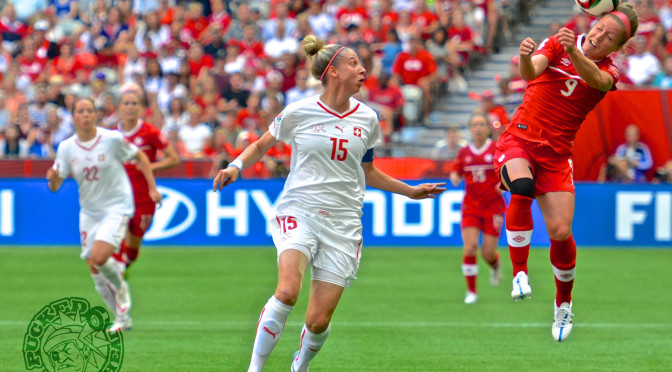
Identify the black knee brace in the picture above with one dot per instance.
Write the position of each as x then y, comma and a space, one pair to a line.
521, 186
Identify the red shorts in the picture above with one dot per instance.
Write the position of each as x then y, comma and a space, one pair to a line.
144, 212
490, 225
551, 171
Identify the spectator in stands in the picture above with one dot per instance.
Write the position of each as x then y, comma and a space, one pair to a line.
239, 22
11, 143
134, 64
463, 37
177, 116
495, 112
449, 146
250, 46
252, 118
405, 28
417, 68
388, 101
154, 80
642, 64
272, 93
320, 22
236, 96
151, 29
389, 50
512, 87
663, 79
352, 13
632, 159
32, 67
12, 30
196, 134
301, 89
270, 27
170, 89
280, 43
425, 18
445, 53
39, 107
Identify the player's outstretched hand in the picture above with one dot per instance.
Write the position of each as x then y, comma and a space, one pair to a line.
527, 47
156, 196
52, 174
427, 190
455, 178
567, 38
225, 177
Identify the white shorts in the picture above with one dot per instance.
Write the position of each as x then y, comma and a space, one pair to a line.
110, 228
333, 245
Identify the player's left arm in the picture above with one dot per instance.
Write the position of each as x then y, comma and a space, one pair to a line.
375, 178
169, 161
587, 69
145, 167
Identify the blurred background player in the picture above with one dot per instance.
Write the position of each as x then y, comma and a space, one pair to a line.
149, 139
319, 211
94, 157
533, 155
483, 204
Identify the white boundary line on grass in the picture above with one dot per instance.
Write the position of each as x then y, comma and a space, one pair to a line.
233, 323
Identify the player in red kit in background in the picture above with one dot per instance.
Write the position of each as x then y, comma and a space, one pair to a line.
149, 140
568, 75
483, 203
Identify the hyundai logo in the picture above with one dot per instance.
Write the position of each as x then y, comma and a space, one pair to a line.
172, 200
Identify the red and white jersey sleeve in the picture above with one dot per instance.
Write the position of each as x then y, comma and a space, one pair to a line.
327, 150
558, 100
148, 139
97, 167
482, 197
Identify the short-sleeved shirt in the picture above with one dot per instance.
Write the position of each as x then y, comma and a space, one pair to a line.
412, 68
149, 140
558, 100
475, 165
97, 167
327, 150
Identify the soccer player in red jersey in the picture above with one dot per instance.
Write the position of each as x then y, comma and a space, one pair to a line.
483, 203
149, 140
568, 75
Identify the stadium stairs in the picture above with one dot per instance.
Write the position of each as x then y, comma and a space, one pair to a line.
454, 108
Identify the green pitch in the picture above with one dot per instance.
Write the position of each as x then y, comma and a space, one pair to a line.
197, 309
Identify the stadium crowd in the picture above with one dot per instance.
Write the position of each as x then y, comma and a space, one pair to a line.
216, 72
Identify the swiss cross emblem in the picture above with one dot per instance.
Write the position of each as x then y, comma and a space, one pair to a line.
358, 132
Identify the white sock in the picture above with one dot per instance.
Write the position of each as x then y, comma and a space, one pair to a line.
105, 290
111, 273
271, 323
311, 344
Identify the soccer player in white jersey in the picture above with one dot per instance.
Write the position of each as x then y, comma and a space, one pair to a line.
93, 157
318, 220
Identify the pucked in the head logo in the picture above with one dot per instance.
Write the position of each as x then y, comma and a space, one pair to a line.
69, 335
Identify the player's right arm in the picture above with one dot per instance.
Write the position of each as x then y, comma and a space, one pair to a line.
55, 181
531, 66
252, 154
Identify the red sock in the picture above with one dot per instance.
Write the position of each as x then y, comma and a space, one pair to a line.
563, 259
120, 256
470, 271
519, 231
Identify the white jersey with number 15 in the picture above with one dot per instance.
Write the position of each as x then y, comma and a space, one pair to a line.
327, 150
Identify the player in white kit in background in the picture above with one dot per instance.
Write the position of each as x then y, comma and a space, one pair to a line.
93, 157
318, 221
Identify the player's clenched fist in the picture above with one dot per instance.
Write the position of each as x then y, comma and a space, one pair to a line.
527, 47
567, 39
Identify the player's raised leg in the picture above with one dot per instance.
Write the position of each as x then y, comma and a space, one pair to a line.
470, 235
292, 265
102, 264
517, 177
558, 211
323, 300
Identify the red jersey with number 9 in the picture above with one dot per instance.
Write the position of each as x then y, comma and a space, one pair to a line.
482, 196
558, 100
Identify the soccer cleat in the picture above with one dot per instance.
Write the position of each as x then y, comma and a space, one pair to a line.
495, 276
562, 324
521, 287
470, 298
121, 323
123, 298
294, 358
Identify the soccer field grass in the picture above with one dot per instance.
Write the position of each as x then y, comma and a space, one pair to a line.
197, 309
